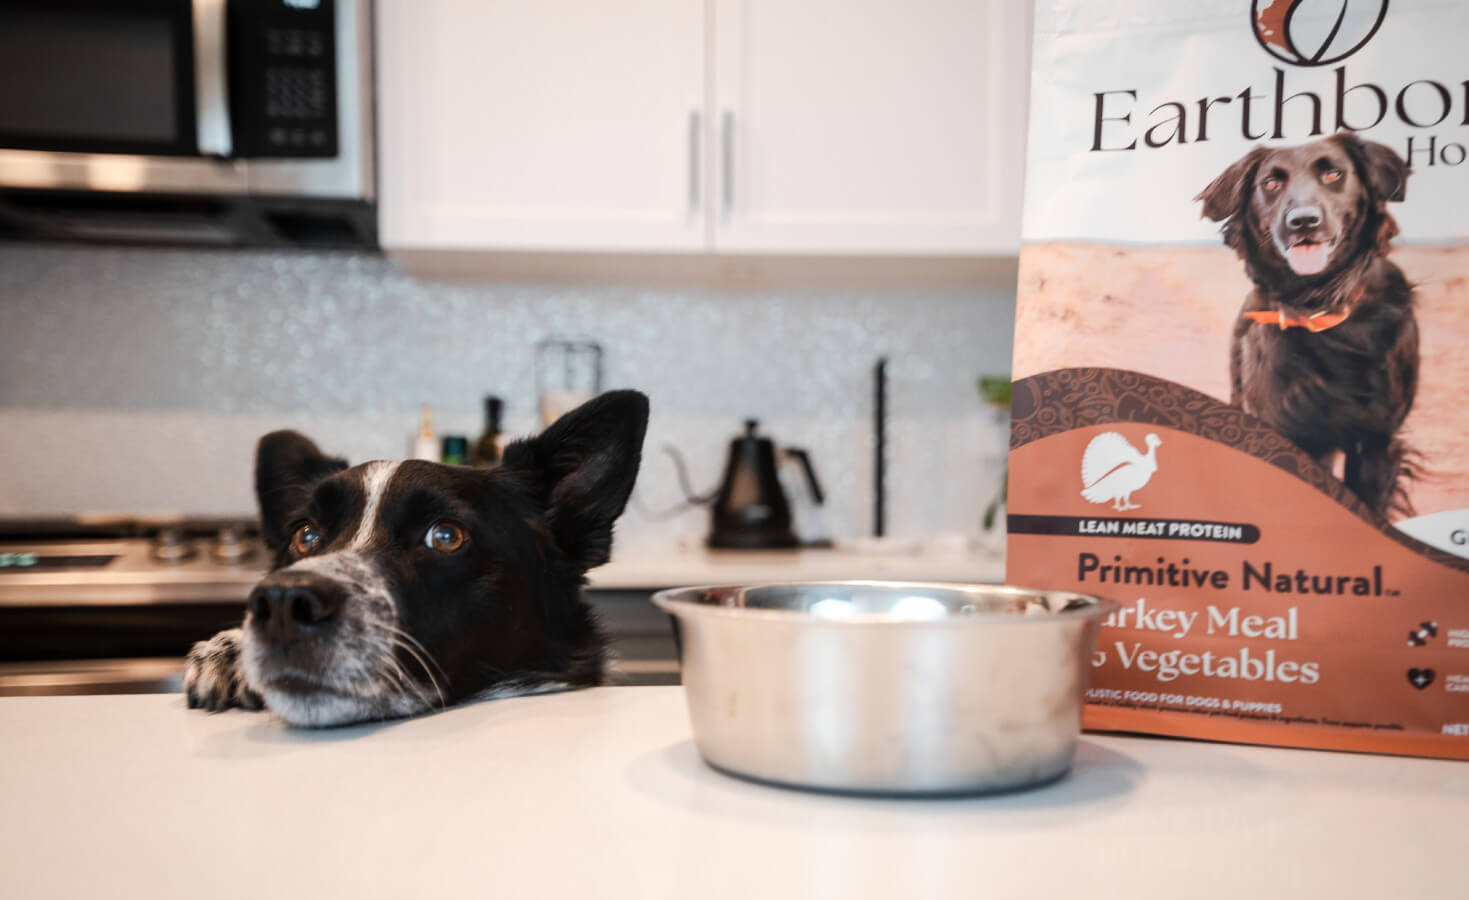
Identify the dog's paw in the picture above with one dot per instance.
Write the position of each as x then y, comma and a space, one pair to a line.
212, 677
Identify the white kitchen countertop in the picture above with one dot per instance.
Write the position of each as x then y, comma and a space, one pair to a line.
637, 570
601, 793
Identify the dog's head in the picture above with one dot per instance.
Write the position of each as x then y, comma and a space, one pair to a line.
1306, 212
399, 587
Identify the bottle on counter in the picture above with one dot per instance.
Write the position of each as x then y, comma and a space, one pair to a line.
487, 448
455, 451
426, 445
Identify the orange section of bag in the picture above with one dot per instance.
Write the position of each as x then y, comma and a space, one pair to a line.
1303, 638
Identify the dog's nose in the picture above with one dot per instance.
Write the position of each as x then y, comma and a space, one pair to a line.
287, 609
1303, 217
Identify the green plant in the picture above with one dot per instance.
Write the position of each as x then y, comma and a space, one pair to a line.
992, 511
995, 390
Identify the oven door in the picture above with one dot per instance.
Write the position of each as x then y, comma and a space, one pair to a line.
113, 76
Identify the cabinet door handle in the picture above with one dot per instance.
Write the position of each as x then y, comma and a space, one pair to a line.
694, 166
728, 159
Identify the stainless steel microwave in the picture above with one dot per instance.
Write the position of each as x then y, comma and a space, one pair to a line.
193, 121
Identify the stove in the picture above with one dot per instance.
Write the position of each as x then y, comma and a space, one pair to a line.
112, 605
125, 561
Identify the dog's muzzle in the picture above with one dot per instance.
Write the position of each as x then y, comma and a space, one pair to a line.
319, 645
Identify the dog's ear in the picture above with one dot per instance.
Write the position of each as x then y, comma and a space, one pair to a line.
1379, 165
1225, 195
586, 463
287, 465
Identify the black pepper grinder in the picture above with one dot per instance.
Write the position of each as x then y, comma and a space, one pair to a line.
487, 448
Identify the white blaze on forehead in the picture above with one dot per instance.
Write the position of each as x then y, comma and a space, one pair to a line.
375, 479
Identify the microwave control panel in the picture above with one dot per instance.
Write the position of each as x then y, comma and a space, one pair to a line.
283, 78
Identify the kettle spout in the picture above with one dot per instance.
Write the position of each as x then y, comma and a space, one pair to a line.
690, 497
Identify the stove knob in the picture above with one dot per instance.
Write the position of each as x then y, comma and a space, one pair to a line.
172, 546
230, 547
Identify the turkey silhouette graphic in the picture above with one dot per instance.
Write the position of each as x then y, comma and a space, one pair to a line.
1112, 469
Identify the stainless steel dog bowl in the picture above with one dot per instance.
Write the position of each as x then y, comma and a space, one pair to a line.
886, 687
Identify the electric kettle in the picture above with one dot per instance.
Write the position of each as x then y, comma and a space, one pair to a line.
750, 510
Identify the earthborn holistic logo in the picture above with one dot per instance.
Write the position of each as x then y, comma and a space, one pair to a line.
1301, 37
1315, 32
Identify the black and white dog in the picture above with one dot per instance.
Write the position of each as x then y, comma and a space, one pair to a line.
401, 587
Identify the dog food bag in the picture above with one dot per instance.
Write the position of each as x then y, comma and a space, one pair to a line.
1242, 364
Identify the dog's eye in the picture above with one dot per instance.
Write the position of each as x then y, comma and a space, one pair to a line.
1331, 176
445, 537
306, 539
1272, 184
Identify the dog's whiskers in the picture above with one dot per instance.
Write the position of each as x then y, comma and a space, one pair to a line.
397, 638
405, 685
416, 644
433, 682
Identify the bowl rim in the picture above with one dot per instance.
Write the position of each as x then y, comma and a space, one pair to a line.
669, 603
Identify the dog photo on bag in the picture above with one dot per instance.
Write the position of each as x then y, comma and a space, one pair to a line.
400, 587
1326, 347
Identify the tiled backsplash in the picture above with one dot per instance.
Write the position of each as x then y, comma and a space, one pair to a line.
140, 379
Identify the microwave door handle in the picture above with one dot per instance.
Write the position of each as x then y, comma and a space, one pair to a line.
211, 79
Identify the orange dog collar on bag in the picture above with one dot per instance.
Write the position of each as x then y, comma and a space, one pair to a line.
1314, 323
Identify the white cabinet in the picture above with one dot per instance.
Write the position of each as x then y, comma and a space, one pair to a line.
822, 127
540, 124
871, 126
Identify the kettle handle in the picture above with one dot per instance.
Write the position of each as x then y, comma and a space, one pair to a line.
804, 459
